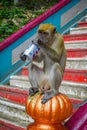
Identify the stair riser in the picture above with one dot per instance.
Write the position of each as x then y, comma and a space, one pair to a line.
19, 98
75, 76
2, 127
7, 125
82, 24
74, 37
14, 93
76, 53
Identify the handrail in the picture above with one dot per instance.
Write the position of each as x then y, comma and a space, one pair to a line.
31, 24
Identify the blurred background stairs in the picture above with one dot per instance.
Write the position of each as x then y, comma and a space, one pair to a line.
13, 96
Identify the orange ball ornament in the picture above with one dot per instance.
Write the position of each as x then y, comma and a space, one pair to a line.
48, 116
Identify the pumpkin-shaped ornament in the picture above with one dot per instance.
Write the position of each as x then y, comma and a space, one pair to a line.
48, 116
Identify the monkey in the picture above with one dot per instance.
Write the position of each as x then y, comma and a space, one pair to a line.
53, 54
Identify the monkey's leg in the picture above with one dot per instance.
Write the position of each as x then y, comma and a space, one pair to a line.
34, 77
55, 81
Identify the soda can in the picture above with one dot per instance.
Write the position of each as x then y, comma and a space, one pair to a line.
32, 50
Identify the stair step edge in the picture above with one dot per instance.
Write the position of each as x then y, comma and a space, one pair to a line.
78, 28
76, 84
7, 102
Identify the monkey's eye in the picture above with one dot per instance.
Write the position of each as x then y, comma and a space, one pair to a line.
40, 31
45, 33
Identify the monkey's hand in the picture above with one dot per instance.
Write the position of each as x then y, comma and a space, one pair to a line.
47, 50
23, 57
32, 91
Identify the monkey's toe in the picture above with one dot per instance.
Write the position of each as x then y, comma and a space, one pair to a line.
44, 101
32, 91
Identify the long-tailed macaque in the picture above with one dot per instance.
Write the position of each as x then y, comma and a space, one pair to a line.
53, 54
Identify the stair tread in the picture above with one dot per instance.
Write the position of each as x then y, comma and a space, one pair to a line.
10, 103
77, 58
13, 111
76, 46
78, 30
19, 77
78, 84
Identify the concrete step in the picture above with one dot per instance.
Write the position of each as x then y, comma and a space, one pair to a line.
78, 30
74, 89
76, 44
82, 24
74, 37
14, 93
14, 112
77, 63
78, 52
75, 75
76, 48
20, 81
68, 87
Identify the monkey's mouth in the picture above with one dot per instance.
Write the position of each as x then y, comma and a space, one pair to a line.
43, 40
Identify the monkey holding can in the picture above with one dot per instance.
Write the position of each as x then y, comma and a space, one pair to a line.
53, 54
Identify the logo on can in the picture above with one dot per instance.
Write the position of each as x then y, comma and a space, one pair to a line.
32, 50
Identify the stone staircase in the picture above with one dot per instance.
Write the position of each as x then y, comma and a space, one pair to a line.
13, 96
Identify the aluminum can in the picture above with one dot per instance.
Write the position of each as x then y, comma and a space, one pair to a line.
32, 50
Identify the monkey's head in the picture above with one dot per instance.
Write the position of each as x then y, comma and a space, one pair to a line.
46, 32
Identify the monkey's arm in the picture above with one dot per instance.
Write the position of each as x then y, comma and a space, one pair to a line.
51, 53
38, 57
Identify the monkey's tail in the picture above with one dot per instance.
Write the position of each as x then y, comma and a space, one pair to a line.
63, 60
76, 105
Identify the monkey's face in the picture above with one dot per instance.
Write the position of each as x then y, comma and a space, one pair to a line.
46, 33
44, 36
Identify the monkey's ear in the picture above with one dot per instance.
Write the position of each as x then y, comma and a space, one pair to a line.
54, 30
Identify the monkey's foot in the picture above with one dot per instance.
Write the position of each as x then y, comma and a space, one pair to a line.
46, 97
32, 91
44, 101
